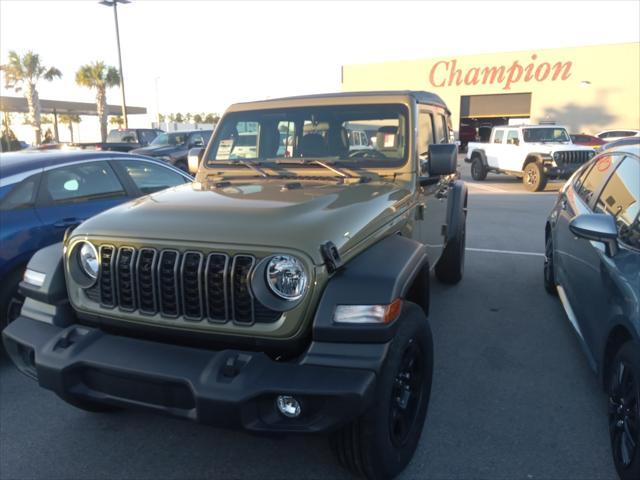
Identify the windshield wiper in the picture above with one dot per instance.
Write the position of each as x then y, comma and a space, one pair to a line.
250, 165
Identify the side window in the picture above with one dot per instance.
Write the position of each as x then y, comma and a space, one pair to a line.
80, 183
147, 136
425, 132
441, 130
196, 140
512, 137
498, 136
150, 177
593, 180
621, 198
22, 195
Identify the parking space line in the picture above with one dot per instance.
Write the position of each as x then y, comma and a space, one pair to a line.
486, 188
506, 252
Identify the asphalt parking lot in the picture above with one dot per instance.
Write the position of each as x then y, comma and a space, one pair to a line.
513, 396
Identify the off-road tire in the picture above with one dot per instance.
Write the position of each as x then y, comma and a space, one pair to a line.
478, 170
549, 272
10, 299
450, 266
370, 446
534, 178
624, 417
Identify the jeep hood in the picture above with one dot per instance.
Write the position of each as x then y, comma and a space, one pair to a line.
550, 147
266, 214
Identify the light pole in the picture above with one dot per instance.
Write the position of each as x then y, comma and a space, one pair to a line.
157, 102
114, 4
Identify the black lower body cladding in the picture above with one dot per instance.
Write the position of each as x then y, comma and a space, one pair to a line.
228, 388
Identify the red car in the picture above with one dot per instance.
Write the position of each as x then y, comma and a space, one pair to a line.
587, 140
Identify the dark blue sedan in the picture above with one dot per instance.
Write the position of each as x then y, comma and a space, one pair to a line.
44, 193
593, 264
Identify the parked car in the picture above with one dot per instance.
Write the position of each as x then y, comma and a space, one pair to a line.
620, 142
467, 133
44, 193
174, 147
535, 153
612, 135
592, 260
275, 293
587, 140
123, 139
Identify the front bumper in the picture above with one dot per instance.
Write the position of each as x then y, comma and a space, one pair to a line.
226, 388
560, 172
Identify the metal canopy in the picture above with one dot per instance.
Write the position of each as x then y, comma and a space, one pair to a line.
19, 104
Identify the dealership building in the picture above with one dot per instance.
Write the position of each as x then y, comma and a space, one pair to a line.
588, 89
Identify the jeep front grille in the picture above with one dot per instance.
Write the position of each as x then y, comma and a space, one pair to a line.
191, 285
573, 157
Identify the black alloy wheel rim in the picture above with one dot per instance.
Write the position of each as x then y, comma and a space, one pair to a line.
624, 414
407, 394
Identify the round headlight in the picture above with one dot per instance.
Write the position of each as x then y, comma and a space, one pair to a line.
88, 258
286, 277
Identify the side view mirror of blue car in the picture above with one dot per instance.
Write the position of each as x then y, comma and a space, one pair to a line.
599, 227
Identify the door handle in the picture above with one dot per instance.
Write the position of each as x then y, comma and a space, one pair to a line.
68, 222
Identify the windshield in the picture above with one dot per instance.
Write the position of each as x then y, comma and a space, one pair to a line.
531, 135
177, 138
355, 135
122, 136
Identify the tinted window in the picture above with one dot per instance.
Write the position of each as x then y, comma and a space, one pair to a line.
497, 138
512, 137
621, 198
425, 132
76, 183
147, 136
441, 129
150, 177
22, 195
122, 136
599, 171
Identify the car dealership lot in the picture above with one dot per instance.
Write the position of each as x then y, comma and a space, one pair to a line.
513, 396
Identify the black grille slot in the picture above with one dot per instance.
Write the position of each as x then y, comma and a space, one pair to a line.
191, 274
242, 302
146, 280
168, 283
125, 278
216, 287
572, 157
107, 288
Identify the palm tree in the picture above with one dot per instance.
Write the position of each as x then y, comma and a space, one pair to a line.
116, 120
69, 119
25, 72
99, 76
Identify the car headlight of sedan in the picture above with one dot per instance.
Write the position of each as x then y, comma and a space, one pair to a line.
84, 264
286, 277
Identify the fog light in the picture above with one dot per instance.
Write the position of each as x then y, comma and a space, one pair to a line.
288, 406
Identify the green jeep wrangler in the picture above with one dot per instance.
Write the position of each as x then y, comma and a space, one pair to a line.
285, 290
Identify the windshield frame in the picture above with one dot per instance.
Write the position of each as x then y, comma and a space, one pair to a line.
278, 162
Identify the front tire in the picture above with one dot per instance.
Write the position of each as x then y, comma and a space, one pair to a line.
381, 442
624, 411
450, 266
534, 178
549, 271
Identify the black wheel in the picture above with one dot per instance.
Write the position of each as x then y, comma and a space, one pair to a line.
534, 178
624, 411
382, 441
549, 274
450, 266
10, 299
478, 170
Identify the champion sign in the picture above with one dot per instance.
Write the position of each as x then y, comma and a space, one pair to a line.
446, 73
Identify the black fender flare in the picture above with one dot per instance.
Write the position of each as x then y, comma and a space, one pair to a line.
48, 261
378, 276
457, 203
482, 155
535, 157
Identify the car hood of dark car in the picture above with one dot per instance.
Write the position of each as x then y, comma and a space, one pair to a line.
161, 150
266, 214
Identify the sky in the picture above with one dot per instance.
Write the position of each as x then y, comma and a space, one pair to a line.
205, 55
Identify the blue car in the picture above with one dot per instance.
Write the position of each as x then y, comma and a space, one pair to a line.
592, 261
42, 194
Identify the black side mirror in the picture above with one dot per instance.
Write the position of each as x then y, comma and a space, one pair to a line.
598, 227
193, 159
443, 159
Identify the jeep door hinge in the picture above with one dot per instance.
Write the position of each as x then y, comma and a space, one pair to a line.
331, 256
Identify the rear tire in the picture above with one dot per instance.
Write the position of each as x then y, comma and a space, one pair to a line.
549, 272
478, 170
381, 442
450, 266
624, 411
534, 178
